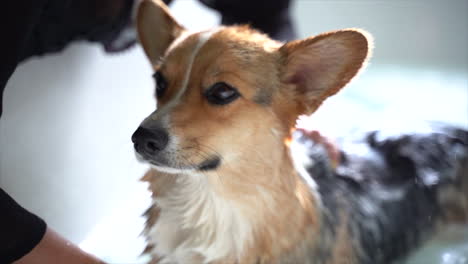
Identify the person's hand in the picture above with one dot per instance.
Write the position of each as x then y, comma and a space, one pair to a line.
54, 249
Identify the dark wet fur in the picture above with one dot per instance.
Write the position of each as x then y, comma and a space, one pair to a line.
391, 193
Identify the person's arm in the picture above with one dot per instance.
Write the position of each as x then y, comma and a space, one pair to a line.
17, 21
38, 27
26, 239
20, 230
34, 28
54, 249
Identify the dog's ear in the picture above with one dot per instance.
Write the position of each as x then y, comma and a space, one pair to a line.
320, 66
157, 29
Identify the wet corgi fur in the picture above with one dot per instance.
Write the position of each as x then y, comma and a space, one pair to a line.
225, 188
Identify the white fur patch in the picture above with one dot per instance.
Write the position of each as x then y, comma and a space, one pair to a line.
196, 222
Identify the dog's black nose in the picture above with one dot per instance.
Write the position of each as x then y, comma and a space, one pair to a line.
150, 141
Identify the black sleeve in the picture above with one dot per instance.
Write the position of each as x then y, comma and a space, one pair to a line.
17, 21
37, 27
20, 230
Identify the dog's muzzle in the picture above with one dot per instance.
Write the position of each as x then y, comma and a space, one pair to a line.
150, 141
151, 144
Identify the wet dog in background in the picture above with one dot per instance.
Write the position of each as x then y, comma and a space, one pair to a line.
225, 186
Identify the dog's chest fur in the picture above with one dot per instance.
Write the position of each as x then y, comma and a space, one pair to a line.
193, 224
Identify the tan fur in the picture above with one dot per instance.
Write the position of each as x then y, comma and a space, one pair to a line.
151, 13
256, 175
315, 62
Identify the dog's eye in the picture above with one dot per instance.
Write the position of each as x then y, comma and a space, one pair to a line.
221, 94
161, 84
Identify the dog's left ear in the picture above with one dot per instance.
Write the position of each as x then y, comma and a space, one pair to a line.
320, 66
157, 28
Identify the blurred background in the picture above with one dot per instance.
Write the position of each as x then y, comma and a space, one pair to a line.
65, 132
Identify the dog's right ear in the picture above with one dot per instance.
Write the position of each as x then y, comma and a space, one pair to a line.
320, 66
157, 29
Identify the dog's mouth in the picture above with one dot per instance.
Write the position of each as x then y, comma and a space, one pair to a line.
210, 164
174, 166
156, 147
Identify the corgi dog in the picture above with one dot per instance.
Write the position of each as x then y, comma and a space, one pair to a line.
225, 187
